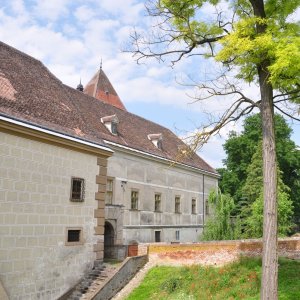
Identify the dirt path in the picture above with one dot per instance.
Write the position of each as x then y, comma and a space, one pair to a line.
134, 282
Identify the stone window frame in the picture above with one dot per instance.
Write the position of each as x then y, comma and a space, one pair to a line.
157, 202
134, 199
194, 206
108, 191
81, 192
75, 243
177, 204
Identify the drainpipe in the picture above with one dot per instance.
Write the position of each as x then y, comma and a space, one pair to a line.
203, 207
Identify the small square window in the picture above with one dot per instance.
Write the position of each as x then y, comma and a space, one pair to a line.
194, 206
109, 191
77, 189
134, 199
157, 203
74, 236
177, 204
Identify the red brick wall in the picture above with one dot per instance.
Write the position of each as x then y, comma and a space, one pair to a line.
213, 253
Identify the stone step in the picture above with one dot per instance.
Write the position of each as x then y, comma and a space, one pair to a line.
92, 281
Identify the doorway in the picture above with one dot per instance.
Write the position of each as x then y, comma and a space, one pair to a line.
109, 240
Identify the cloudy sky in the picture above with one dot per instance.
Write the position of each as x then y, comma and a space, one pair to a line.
72, 36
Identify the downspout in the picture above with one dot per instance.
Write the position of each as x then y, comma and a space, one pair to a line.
203, 204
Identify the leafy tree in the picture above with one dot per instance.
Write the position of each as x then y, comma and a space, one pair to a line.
239, 150
221, 225
255, 42
252, 212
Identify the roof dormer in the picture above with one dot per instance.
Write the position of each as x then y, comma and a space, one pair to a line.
156, 139
111, 123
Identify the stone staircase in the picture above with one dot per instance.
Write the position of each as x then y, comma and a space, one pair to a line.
92, 282
105, 280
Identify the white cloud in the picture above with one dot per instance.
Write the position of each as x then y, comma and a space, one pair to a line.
84, 13
51, 10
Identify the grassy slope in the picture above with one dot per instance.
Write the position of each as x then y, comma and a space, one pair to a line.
240, 280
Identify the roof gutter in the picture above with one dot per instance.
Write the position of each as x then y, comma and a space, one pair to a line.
54, 133
166, 160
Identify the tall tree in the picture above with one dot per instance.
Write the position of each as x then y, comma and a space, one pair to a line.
241, 147
256, 39
252, 212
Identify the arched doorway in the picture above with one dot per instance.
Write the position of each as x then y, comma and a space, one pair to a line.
109, 240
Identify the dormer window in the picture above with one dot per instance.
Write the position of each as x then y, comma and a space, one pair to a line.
156, 139
111, 123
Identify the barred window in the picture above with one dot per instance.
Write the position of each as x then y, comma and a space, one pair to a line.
77, 189
193, 206
177, 204
157, 203
134, 199
177, 235
74, 236
109, 191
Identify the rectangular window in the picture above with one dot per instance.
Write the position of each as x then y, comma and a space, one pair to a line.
134, 199
177, 204
74, 236
157, 236
77, 189
206, 208
193, 206
157, 204
109, 191
114, 128
177, 236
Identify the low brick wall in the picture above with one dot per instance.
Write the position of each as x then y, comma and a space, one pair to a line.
213, 253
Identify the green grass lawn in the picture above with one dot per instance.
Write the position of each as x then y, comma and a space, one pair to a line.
240, 280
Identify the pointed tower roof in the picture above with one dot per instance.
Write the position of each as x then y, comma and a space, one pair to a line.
100, 88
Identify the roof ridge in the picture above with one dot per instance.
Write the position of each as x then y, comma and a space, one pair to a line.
31, 58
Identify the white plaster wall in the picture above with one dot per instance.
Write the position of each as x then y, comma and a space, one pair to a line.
35, 210
150, 177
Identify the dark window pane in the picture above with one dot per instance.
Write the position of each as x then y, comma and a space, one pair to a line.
74, 235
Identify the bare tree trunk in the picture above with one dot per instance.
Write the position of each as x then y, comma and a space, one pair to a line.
269, 282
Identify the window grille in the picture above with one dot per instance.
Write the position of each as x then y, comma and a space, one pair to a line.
177, 204
109, 191
134, 199
157, 204
77, 189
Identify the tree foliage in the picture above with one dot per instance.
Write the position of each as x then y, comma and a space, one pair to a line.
252, 209
221, 225
240, 148
255, 41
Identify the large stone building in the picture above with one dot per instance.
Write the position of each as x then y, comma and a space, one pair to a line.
63, 152
155, 192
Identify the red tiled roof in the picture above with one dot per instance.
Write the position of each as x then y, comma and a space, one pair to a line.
29, 92
100, 88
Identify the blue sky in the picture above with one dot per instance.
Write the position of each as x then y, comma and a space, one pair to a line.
71, 37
